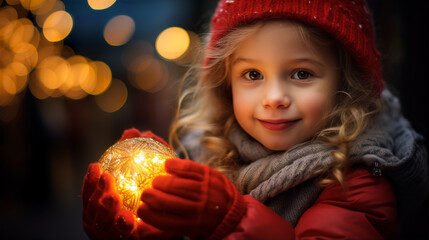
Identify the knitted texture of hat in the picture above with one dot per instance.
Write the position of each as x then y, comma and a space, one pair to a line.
349, 22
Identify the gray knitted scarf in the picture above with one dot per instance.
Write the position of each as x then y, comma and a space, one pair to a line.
284, 181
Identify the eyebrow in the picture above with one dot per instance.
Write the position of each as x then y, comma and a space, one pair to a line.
313, 61
241, 59
298, 60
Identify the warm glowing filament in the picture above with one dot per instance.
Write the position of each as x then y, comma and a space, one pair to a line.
135, 163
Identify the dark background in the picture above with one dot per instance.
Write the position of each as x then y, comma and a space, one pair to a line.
46, 147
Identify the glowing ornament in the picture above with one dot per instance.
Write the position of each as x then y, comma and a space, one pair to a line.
134, 163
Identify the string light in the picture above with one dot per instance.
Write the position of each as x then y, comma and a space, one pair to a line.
134, 163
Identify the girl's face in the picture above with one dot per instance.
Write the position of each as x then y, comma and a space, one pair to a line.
281, 87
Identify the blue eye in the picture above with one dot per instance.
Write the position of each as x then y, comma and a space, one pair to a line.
301, 75
253, 75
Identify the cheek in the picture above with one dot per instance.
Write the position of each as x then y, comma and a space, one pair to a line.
244, 102
316, 106
240, 103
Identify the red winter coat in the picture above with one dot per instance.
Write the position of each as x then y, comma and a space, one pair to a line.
367, 210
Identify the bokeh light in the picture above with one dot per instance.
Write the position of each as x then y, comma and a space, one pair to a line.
25, 53
39, 60
57, 26
119, 30
32, 4
114, 97
47, 49
85, 74
136, 49
19, 73
23, 31
8, 81
79, 71
53, 72
7, 15
12, 2
172, 43
45, 8
148, 74
19, 40
38, 89
45, 11
192, 52
103, 76
100, 4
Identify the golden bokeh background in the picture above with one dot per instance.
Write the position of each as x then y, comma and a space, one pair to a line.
73, 76
33, 55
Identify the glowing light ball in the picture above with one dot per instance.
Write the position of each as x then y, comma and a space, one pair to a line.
134, 163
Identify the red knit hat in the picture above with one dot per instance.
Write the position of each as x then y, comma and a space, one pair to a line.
349, 22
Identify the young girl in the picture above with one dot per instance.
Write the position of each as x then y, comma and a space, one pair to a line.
290, 133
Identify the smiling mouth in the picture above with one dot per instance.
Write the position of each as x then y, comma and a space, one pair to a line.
277, 125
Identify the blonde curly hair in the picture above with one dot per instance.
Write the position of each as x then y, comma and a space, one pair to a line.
205, 104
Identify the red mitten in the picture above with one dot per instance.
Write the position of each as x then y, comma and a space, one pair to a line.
195, 200
133, 133
102, 214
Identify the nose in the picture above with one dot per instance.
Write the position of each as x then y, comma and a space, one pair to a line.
276, 96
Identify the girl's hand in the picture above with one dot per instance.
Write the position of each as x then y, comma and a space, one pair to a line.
194, 200
102, 214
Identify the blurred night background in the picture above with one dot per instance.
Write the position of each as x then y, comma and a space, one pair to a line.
75, 73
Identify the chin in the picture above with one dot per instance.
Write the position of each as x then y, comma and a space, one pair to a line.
277, 147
